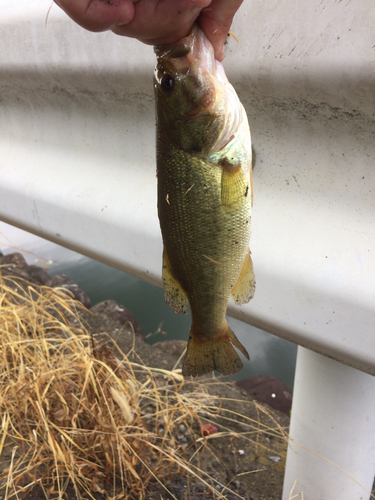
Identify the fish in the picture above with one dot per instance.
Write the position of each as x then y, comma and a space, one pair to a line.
204, 172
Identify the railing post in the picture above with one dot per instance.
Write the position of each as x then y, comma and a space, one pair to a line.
332, 448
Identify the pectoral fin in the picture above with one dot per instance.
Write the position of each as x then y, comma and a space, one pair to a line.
244, 289
175, 295
235, 185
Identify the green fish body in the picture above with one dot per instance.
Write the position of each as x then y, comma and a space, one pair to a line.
204, 198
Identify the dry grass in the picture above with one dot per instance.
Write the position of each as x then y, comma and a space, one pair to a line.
73, 415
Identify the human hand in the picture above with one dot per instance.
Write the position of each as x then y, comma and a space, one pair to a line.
156, 22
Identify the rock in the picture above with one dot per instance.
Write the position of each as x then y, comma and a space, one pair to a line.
236, 469
269, 390
62, 281
119, 313
39, 275
15, 265
14, 260
173, 347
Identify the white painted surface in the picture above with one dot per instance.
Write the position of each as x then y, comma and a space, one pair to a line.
330, 457
77, 156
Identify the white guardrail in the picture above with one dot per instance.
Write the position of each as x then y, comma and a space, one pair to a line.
77, 166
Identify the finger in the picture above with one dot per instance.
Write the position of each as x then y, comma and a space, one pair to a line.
216, 21
98, 15
162, 22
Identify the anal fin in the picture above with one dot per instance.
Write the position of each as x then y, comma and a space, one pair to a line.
175, 295
244, 289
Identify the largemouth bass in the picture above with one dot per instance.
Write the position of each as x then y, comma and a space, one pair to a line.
204, 198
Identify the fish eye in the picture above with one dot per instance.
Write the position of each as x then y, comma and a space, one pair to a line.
167, 83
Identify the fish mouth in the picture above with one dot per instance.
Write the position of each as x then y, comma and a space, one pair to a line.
193, 50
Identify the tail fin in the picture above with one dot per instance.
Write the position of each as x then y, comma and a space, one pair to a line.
203, 356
